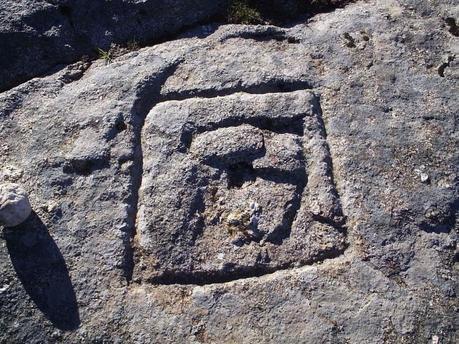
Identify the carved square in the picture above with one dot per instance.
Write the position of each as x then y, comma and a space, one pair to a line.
236, 186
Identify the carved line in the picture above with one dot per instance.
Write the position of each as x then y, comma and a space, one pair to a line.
215, 277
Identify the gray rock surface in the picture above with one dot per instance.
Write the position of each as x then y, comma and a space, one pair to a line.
37, 36
242, 184
14, 205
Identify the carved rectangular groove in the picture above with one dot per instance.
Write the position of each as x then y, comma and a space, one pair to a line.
235, 186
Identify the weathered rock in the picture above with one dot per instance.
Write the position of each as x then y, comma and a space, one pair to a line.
36, 36
14, 205
322, 231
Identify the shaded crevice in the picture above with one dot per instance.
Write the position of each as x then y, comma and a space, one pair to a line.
335, 218
270, 34
338, 218
244, 171
76, 71
272, 86
147, 97
339, 225
444, 65
292, 125
216, 277
442, 221
279, 12
66, 11
237, 273
196, 223
240, 173
452, 26
266, 37
283, 231
86, 166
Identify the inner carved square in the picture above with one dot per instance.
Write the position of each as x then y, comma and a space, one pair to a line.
261, 176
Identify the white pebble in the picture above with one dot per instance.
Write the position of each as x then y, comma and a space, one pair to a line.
14, 205
424, 177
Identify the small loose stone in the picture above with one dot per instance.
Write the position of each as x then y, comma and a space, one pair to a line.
14, 205
424, 177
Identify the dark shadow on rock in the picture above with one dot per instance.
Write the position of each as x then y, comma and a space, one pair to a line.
443, 220
42, 271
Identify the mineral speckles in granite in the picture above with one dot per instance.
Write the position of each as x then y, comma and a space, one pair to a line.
235, 186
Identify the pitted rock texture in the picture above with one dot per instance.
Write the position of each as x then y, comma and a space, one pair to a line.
224, 191
324, 127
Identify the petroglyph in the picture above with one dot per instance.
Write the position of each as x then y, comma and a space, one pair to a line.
235, 186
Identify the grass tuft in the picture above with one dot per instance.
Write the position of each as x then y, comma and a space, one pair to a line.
241, 12
105, 55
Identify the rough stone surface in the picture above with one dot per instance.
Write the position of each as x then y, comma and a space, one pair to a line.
14, 205
37, 36
242, 184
